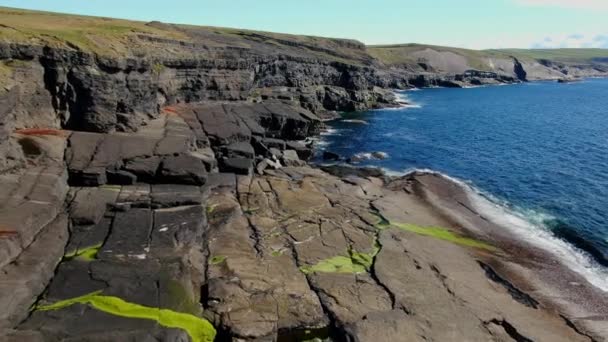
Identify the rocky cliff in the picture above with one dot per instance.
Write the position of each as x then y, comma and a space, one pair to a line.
156, 189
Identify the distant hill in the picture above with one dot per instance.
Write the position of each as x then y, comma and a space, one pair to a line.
540, 63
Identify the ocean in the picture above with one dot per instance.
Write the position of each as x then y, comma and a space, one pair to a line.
535, 155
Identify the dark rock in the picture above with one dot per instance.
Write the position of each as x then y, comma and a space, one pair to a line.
222, 126
144, 168
274, 143
327, 155
183, 169
379, 155
242, 166
519, 70
89, 177
239, 149
219, 180
175, 195
121, 177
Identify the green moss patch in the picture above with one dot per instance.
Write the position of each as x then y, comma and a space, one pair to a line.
198, 329
277, 252
85, 254
250, 211
218, 259
211, 208
382, 223
356, 262
442, 234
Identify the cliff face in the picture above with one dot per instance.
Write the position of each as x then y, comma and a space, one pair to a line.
79, 90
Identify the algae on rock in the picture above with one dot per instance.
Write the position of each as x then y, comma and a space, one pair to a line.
199, 330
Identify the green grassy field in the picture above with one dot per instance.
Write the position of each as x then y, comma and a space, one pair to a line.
100, 35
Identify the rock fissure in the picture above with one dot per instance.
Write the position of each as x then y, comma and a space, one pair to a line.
509, 329
515, 293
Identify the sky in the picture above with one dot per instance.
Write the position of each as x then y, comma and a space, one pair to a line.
476, 24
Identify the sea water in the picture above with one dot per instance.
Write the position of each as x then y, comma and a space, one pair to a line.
535, 154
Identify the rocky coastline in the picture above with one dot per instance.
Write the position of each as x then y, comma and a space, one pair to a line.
163, 193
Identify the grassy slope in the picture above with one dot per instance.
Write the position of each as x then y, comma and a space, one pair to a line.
100, 35
117, 37
402, 54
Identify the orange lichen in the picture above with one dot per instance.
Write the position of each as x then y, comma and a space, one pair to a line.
42, 131
170, 110
5, 234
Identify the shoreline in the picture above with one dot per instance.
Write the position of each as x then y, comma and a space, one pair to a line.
536, 269
553, 271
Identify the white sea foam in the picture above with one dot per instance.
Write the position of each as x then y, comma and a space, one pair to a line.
330, 131
528, 226
363, 122
404, 101
379, 155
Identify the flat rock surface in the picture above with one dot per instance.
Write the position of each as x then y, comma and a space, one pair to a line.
152, 243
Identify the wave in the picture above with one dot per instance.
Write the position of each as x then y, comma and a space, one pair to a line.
378, 155
404, 101
330, 131
536, 228
363, 122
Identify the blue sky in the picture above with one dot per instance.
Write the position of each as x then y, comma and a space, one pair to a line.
464, 23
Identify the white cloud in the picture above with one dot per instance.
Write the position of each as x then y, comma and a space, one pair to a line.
581, 4
573, 41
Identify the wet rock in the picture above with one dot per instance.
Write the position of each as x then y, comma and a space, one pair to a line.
327, 155
379, 155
